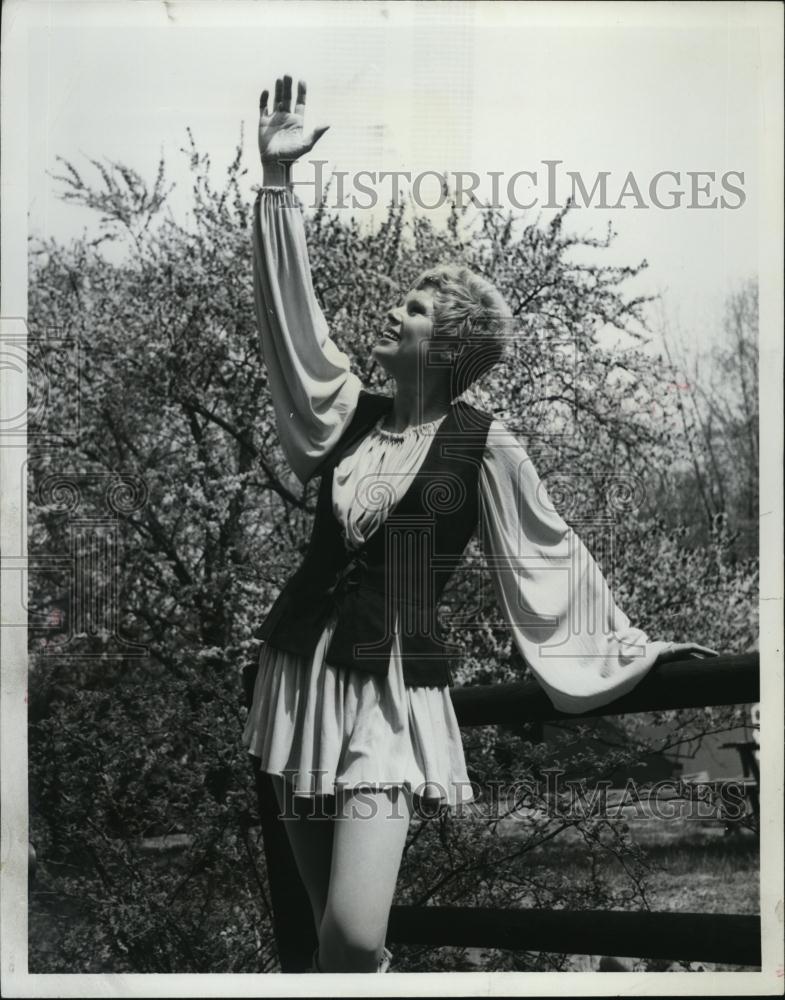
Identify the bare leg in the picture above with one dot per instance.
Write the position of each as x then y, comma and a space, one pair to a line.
368, 840
311, 839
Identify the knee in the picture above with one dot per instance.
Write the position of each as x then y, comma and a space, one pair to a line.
347, 946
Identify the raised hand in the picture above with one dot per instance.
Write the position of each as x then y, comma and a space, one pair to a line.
281, 136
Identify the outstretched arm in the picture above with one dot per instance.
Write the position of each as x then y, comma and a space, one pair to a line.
580, 646
314, 392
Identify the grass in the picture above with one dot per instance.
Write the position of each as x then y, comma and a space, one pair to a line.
695, 868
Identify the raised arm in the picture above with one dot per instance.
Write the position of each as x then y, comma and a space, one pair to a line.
314, 392
580, 646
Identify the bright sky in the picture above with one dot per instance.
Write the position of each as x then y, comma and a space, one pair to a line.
474, 86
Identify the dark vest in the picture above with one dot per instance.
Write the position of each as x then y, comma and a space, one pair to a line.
404, 566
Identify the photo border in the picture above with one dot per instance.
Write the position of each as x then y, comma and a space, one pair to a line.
19, 16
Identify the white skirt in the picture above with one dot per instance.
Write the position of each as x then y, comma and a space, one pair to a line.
329, 729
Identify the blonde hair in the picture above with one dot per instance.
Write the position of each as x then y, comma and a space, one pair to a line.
468, 307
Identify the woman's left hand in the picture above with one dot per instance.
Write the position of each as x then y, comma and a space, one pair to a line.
685, 651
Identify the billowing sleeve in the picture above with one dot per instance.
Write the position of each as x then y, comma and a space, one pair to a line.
580, 646
314, 392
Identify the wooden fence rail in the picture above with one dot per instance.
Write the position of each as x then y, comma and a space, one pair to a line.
719, 680
727, 938
712, 937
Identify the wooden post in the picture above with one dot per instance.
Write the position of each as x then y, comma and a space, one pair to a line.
295, 933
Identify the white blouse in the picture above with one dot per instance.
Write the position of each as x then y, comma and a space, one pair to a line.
374, 474
579, 645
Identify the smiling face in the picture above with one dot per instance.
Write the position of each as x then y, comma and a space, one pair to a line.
409, 327
455, 310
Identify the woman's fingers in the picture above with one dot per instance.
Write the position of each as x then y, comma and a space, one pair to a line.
282, 99
685, 651
695, 650
300, 105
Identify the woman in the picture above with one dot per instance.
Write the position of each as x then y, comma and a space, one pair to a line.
352, 699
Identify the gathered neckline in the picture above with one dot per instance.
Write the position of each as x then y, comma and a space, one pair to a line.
412, 430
